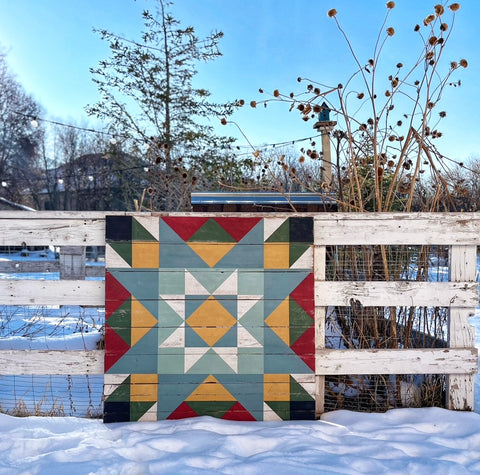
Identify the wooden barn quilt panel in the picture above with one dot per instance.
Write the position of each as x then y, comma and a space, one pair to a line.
209, 316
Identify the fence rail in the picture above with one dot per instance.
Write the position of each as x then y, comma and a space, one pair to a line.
461, 232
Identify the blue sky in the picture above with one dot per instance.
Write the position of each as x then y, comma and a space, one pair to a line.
267, 44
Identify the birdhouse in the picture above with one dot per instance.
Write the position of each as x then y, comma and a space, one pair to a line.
324, 115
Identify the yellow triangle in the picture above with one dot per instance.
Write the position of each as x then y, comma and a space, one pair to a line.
211, 252
210, 390
142, 321
279, 321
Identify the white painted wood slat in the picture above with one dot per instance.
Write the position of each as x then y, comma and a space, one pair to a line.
41, 362
400, 293
397, 361
52, 292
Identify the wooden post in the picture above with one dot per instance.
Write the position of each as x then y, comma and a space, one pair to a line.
320, 259
72, 263
460, 387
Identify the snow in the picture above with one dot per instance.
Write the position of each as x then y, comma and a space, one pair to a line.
400, 441
416, 441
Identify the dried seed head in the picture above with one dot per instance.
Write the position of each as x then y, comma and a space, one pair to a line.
390, 31
223, 121
331, 13
399, 65
316, 91
241, 102
443, 27
260, 91
253, 104
429, 55
390, 163
428, 20
361, 95
439, 10
276, 93
442, 114
463, 63
454, 65
301, 159
387, 93
299, 79
454, 7
390, 5
417, 27
432, 40
256, 154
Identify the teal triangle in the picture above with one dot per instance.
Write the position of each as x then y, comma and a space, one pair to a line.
192, 302
254, 321
281, 359
141, 358
193, 339
211, 279
279, 284
247, 389
141, 283
174, 252
229, 339
173, 389
210, 363
229, 303
168, 322
139, 233
248, 253
211, 231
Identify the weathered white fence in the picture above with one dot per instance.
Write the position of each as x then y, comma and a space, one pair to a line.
461, 232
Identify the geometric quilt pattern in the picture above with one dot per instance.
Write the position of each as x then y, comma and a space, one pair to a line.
209, 315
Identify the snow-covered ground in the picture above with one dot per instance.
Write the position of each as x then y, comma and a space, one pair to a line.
401, 441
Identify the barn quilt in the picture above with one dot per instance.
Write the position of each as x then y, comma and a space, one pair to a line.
209, 316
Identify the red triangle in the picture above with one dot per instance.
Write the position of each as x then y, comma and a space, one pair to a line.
304, 347
237, 227
115, 294
182, 412
304, 295
115, 347
238, 413
185, 226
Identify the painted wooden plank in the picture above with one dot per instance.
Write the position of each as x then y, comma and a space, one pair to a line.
58, 232
399, 229
40, 362
397, 361
320, 260
460, 387
52, 292
401, 293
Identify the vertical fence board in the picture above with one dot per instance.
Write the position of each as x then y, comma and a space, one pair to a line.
460, 387
320, 258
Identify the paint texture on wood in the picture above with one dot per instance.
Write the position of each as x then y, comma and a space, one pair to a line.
209, 316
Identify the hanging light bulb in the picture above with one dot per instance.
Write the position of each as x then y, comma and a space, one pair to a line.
34, 123
113, 140
60, 181
4, 184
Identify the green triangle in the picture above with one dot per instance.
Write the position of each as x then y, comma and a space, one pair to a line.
300, 321
122, 317
210, 362
211, 231
282, 234
297, 392
281, 408
211, 408
122, 393
296, 251
124, 250
138, 409
139, 233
